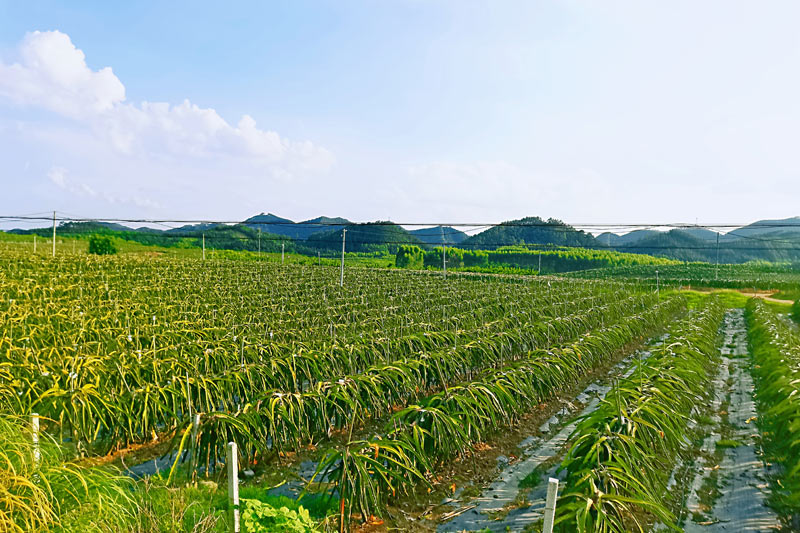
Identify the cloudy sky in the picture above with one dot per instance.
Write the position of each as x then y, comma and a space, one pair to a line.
411, 110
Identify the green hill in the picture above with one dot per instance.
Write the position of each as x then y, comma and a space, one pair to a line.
439, 235
530, 230
370, 237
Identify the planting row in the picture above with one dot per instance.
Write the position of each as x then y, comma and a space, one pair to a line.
280, 419
367, 473
618, 466
775, 346
117, 350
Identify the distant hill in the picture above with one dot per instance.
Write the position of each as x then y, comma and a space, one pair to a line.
296, 230
439, 235
530, 230
701, 233
192, 228
765, 227
369, 237
76, 227
776, 240
683, 245
607, 239
675, 244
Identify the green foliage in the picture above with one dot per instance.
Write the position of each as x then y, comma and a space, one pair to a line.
796, 311
409, 256
775, 346
766, 276
102, 245
570, 259
260, 517
531, 230
445, 424
49, 493
370, 237
617, 467
526, 259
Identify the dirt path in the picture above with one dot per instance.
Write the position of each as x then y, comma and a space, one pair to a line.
504, 506
730, 489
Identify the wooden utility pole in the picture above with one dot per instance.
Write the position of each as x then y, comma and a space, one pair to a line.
204, 246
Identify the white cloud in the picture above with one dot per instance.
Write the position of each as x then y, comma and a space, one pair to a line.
50, 73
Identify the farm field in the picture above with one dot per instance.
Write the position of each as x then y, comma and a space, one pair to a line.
384, 398
761, 276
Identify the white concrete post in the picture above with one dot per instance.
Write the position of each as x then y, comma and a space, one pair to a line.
550, 505
37, 452
232, 462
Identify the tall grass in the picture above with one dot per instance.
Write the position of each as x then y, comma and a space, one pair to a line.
38, 494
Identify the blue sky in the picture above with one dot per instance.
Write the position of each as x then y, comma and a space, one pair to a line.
412, 110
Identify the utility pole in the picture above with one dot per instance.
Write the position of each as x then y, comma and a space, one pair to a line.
319, 259
444, 260
259, 240
204, 246
540, 261
716, 271
283, 245
54, 233
34, 243
341, 278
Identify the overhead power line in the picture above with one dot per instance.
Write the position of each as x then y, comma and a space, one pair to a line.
513, 223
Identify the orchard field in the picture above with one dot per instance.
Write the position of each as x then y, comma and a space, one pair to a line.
388, 398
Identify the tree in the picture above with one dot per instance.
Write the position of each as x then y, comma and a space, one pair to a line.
102, 245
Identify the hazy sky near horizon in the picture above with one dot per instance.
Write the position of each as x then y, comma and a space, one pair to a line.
410, 110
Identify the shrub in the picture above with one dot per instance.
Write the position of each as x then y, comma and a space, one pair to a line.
102, 245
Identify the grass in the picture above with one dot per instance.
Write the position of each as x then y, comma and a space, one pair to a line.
728, 443
39, 490
728, 298
788, 294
